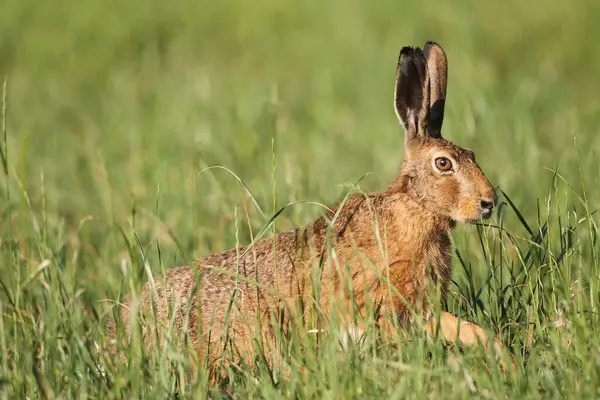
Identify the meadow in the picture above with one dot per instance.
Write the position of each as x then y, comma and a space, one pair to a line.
112, 111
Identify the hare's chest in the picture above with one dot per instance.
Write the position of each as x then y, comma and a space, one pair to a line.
438, 259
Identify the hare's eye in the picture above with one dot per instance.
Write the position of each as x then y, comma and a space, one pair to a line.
443, 164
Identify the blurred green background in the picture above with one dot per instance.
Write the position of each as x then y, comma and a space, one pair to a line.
112, 100
114, 107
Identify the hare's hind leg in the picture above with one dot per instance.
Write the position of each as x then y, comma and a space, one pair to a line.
466, 333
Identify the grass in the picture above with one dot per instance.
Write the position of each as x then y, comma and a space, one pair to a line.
112, 109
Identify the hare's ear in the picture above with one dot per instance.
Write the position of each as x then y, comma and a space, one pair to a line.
437, 66
411, 95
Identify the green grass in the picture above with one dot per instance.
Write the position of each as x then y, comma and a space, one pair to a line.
112, 108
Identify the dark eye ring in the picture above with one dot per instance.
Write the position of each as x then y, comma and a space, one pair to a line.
443, 164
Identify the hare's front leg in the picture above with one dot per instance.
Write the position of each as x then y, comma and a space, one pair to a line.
466, 333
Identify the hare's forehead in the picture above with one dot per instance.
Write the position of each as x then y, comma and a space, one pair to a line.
444, 148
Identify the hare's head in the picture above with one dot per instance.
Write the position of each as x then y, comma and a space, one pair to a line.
436, 173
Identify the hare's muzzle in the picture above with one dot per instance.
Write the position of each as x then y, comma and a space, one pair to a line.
487, 205
486, 208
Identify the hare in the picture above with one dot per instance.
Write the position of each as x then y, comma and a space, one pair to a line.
388, 247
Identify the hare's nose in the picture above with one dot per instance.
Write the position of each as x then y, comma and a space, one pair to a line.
487, 204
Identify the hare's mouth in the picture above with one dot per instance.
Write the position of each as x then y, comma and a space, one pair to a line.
475, 211
486, 207
486, 213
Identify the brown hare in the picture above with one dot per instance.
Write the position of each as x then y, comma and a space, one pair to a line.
387, 248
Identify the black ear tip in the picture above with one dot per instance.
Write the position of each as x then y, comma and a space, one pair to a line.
431, 43
411, 52
406, 50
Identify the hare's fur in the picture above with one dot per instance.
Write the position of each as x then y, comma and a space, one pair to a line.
385, 248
